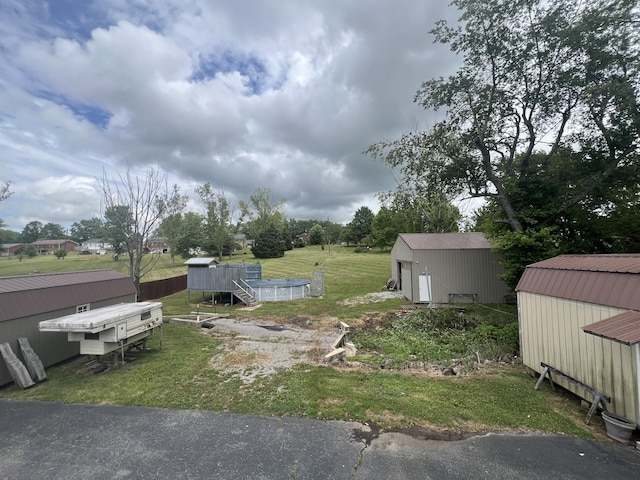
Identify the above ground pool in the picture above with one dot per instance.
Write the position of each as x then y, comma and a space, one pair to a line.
280, 289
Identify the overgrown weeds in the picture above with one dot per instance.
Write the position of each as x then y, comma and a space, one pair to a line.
438, 335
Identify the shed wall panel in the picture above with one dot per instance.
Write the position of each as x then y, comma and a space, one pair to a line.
51, 347
473, 272
551, 332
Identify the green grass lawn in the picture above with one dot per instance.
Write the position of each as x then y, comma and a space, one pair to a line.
180, 375
74, 262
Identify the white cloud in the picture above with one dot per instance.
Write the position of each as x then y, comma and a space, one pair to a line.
283, 95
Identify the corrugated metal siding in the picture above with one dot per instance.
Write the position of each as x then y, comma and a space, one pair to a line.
52, 348
612, 280
623, 328
401, 263
461, 272
33, 301
49, 280
615, 262
472, 269
221, 278
445, 241
551, 332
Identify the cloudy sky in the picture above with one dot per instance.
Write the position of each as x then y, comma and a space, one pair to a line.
244, 94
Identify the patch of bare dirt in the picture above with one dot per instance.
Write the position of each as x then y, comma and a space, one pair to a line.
371, 298
255, 349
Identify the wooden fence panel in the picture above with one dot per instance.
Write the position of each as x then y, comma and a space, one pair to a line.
162, 288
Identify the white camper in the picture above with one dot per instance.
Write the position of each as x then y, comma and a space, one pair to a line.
107, 329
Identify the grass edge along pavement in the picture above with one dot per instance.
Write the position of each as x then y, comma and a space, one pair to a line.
180, 375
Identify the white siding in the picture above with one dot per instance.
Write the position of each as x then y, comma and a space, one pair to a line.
551, 332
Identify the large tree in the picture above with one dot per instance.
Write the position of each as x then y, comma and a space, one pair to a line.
540, 81
118, 228
360, 225
260, 213
87, 229
541, 120
31, 232
171, 227
52, 231
218, 214
190, 239
134, 207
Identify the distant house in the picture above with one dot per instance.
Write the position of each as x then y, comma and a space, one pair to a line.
241, 239
95, 246
47, 247
303, 237
447, 268
158, 245
26, 300
580, 314
10, 249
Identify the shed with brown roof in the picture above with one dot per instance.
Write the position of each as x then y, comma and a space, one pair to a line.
447, 268
26, 300
581, 315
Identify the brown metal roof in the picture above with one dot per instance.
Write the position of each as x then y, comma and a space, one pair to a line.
622, 328
617, 262
26, 295
611, 280
445, 241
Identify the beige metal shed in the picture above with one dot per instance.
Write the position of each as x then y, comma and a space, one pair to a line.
580, 314
447, 268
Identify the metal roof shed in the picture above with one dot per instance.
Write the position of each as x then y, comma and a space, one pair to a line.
447, 268
581, 315
26, 300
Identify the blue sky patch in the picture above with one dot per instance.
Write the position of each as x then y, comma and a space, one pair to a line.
97, 116
250, 66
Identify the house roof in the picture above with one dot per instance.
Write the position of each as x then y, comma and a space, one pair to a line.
445, 241
612, 280
622, 328
52, 242
27, 295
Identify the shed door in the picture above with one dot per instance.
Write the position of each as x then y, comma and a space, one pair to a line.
424, 285
405, 280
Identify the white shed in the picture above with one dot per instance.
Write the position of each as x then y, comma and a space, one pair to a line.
580, 314
447, 268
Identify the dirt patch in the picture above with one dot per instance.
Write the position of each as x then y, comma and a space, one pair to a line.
371, 298
259, 348
254, 349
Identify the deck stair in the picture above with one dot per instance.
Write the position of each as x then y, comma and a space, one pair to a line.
245, 294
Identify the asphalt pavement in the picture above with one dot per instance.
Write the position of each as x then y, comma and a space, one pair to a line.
46, 440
